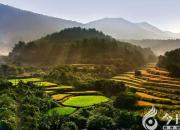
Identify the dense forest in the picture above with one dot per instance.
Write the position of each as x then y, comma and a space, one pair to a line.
171, 62
79, 46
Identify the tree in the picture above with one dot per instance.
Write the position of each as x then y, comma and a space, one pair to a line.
98, 122
69, 126
125, 100
125, 119
171, 62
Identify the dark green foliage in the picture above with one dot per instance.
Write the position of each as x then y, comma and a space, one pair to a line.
5, 85
69, 126
98, 122
4, 126
75, 34
104, 109
80, 120
8, 109
53, 122
125, 119
171, 61
125, 100
78, 74
62, 75
22, 106
75, 46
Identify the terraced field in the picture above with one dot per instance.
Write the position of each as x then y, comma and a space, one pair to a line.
25, 80
154, 87
67, 97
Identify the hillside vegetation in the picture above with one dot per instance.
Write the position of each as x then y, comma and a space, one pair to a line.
80, 46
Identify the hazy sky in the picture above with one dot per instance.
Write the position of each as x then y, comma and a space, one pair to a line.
164, 14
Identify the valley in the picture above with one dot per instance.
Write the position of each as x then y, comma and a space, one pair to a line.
153, 87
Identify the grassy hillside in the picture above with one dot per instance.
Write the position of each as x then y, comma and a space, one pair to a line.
79, 46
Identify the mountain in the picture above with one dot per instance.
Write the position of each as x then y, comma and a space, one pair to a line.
16, 25
120, 28
20, 25
80, 46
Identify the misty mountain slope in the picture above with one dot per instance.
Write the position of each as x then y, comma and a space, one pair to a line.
123, 29
16, 24
153, 29
158, 46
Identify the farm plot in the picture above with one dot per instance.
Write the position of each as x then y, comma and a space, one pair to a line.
60, 87
59, 96
84, 101
45, 84
84, 93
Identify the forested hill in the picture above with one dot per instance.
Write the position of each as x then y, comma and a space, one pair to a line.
171, 61
77, 45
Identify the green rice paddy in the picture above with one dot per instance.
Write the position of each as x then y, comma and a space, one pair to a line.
84, 101
61, 111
